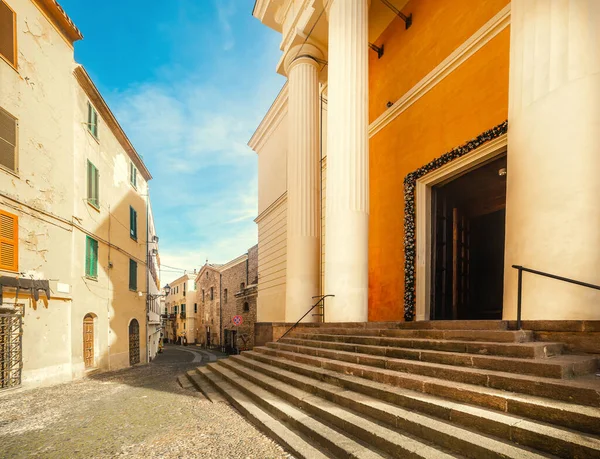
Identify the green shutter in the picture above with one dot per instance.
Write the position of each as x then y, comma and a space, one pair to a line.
133, 223
132, 275
91, 257
93, 185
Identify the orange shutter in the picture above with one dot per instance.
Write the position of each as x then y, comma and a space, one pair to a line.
9, 241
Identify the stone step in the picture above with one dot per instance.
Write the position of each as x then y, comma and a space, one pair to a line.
417, 325
543, 437
202, 385
184, 382
585, 392
314, 431
300, 408
294, 443
528, 350
439, 397
498, 336
565, 366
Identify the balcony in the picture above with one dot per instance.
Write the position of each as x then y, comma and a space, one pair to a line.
182, 315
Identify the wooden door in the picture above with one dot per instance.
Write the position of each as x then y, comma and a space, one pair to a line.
88, 341
134, 342
460, 263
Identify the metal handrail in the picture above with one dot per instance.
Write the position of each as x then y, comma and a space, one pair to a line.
541, 273
321, 300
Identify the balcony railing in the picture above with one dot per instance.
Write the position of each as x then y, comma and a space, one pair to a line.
182, 315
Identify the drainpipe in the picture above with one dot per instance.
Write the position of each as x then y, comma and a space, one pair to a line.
147, 271
221, 310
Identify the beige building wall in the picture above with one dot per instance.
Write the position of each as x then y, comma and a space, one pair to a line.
38, 93
188, 326
47, 92
270, 142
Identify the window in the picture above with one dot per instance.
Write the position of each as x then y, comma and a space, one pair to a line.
195, 285
93, 185
212, 293
8, 34
8, 138
225, 296
184, 325
242, 286
132, 174
246, 307
183, 308
184, 288
195, 308
207, 274
203, 295
9, 241
92, 121
175, 308
166, 311
132, 223
91, 257
132, 275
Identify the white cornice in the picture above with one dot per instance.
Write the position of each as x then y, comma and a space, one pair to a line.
274, 206
489, 30
234, 262
271, 120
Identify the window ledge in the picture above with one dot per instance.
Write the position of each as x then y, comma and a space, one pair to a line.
94, 206
10, 171
10, 64
95, 279
91, 134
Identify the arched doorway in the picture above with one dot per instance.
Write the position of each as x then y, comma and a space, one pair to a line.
134, 342
88, 341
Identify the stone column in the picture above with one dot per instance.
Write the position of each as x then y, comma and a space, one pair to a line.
303, 182
553, 188
347, 210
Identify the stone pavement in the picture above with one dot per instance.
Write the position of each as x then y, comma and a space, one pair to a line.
138, 412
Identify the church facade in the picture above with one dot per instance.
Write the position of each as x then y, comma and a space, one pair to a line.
419, 150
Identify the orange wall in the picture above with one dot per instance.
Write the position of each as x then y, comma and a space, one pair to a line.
471, 100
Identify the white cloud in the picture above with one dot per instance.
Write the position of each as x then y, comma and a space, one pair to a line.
225, 11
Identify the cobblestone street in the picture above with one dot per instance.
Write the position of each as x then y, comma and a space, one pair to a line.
139, 412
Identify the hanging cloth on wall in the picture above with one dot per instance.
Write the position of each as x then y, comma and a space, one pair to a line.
32, 285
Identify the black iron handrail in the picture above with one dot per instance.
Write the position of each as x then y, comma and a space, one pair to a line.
321, 300
541, 273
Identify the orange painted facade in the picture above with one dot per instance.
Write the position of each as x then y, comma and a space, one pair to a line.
471, 100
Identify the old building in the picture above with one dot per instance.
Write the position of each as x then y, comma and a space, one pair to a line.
182, 310
224, 292
74, 207
370, 217
420, 155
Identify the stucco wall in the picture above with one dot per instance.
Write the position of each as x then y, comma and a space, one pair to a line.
39, 95
209, 309
471, 100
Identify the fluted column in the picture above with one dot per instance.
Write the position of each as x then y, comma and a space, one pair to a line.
553, 184
347, 210
303, 163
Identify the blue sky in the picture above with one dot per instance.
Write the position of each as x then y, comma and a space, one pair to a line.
189, 81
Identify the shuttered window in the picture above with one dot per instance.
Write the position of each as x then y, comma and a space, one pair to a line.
92, 122
8, 140
132, 275
93, 189
9, 241
8, 36
91, 257
133, 174
132, 223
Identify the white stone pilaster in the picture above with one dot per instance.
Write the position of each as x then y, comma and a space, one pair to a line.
553, 181
347, 221
303, 182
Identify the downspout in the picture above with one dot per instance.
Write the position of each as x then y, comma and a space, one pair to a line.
147, 271
221, 310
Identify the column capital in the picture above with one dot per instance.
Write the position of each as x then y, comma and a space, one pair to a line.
302, 53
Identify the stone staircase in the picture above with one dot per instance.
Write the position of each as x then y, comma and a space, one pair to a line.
425, 390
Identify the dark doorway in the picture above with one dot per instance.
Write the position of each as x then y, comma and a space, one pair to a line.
468, 244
